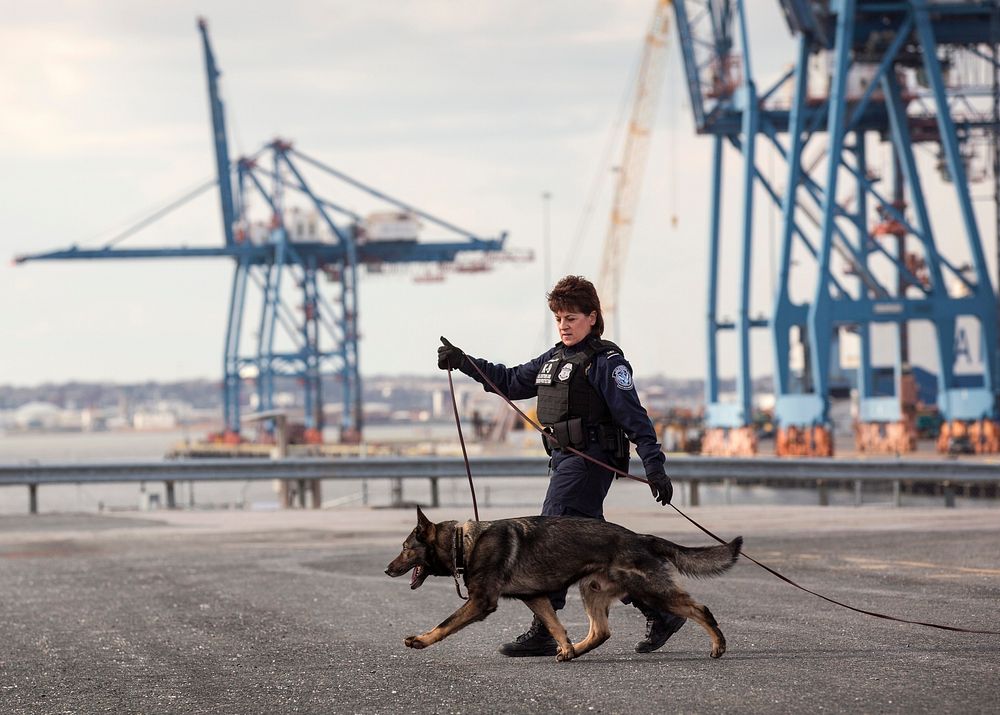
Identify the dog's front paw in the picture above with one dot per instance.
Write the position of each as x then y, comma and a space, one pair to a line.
718, 650
414, 642
565, 654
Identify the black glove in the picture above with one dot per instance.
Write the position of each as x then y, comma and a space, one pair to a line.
661, 487
449, 356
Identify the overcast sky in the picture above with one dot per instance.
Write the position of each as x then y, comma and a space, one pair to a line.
470, 111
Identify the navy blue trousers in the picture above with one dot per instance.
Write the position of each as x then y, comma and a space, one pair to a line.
577, 487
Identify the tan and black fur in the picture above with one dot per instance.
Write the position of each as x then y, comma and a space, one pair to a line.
530, 557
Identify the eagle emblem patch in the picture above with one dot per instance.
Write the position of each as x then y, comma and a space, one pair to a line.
622, 378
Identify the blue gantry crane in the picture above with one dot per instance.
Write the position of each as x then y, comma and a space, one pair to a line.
287, 255
912, 73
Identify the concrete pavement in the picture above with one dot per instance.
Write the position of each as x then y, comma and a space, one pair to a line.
243, 612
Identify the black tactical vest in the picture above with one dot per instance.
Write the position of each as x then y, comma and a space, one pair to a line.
564, 392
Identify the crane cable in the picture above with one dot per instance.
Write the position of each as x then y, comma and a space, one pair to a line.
614, 137
161, 212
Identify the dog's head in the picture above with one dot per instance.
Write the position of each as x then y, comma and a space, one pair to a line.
420, 553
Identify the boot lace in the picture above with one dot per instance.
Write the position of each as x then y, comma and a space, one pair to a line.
530, 634
651, 623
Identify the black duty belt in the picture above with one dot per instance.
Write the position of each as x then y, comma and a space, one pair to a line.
578, 434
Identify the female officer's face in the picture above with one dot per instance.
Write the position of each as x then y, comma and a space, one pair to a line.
574, 326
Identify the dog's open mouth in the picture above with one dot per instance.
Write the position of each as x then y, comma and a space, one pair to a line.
418, 576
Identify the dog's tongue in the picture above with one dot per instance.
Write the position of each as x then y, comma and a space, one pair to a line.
415, 576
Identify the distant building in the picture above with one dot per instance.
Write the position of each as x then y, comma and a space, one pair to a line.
40, 416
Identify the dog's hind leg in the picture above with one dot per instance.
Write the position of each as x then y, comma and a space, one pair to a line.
658, 590
475, 609
683, 605
541, 606
598, 595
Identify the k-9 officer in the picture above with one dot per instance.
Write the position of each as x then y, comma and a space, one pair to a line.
586, 400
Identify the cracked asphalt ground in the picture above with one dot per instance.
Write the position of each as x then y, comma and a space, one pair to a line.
290, 612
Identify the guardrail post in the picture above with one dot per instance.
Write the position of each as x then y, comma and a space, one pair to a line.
435, 493
949, 495
32, 498
858, 499
824, 495
897, 491
396, 496
316, 493
171, 500
728, 488
300, 485
286, 492
693, 492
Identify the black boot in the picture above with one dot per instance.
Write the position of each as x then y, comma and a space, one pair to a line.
660, 625
534, 641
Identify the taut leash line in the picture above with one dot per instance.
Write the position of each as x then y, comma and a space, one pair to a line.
601, 464
465, 454
790, 582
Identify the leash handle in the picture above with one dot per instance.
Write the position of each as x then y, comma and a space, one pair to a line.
465, 454
749, 558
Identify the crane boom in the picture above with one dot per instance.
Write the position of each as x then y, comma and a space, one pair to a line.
219, 140
633, 165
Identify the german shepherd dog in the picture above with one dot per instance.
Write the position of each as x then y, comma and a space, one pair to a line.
531, 557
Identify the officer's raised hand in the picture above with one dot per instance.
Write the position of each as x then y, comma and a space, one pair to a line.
659, 484
449, 356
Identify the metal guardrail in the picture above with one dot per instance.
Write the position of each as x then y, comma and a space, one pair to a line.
683, 469
242, 469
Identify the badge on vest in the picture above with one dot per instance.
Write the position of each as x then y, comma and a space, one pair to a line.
566, 371
622, 377
544, 376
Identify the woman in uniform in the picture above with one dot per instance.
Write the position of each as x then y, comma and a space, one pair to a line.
586, 400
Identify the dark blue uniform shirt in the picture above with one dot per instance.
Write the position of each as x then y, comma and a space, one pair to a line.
578, 487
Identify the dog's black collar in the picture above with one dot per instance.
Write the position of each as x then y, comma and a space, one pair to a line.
458, 551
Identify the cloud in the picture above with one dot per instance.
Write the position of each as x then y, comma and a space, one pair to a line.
69, 93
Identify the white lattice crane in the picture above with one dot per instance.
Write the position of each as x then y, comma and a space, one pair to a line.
648, 82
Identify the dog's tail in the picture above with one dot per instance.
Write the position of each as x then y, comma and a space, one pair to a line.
700, 561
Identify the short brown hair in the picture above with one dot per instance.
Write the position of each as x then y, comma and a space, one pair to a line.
576, 293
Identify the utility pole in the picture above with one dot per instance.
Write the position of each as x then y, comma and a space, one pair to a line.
546, 226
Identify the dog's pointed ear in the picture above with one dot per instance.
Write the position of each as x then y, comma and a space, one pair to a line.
424, 525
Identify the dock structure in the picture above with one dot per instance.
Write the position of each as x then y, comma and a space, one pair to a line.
304, 251
859, 252
864, 258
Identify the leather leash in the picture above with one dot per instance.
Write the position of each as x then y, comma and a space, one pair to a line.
457, 542
621, 473
461, 439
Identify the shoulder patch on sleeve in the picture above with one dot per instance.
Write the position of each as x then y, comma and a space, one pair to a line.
622, 378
